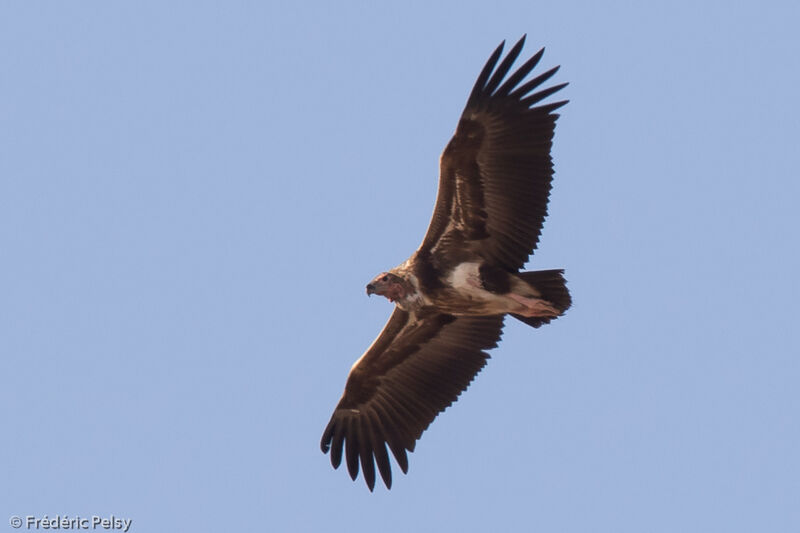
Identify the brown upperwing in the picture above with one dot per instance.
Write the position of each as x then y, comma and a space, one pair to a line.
495, 173
413, 371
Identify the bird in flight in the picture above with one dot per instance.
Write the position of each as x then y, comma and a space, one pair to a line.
451, 296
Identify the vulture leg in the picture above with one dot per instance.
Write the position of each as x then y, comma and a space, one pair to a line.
534, 306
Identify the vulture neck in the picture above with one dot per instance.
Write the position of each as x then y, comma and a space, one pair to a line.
412, 299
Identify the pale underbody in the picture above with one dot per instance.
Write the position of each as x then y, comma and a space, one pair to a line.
521, 300
464, 295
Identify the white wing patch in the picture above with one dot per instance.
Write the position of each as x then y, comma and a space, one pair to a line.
465, 278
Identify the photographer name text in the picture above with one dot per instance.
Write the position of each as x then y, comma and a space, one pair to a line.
74, 522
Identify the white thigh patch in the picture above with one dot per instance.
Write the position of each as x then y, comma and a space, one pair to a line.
466, 278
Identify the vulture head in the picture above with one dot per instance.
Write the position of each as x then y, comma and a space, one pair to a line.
389, 285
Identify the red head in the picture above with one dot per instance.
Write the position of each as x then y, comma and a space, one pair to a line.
387, 284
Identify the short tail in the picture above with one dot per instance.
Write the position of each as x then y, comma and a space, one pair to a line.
553, 288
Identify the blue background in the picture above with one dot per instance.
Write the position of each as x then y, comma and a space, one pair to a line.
194, 194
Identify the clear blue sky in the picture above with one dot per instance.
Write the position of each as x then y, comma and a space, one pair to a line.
194, 194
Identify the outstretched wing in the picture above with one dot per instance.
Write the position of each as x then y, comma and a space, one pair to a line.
413, 371
495, 173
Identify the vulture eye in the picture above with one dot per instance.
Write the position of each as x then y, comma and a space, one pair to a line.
385, 278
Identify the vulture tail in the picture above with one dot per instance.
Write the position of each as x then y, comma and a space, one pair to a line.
553, 288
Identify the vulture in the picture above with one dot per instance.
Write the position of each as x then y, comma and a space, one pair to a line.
452, 295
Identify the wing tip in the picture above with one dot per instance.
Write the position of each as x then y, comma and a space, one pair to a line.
488, 84
327, 436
